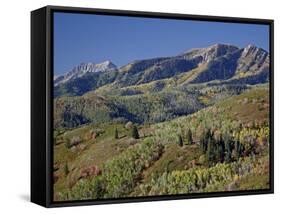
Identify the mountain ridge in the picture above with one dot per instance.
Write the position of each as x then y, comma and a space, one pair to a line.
83, 68
222, 62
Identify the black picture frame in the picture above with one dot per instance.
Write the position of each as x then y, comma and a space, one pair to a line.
42, 103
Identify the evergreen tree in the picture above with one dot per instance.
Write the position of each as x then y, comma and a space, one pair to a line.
202, 144
189, 137
227, 157
116, 136
67, 143
208, 134
210, 154
66, 170
237, 149
135, 133
180, 141
216, 151
204, 141
221, 149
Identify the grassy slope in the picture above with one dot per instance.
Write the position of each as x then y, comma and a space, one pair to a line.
95, 152
169, 83
242, 108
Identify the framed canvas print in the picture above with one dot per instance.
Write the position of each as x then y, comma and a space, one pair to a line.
140, 106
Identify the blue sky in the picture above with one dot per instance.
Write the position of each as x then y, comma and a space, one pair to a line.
96, 38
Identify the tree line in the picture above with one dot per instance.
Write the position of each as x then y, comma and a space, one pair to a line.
222, 149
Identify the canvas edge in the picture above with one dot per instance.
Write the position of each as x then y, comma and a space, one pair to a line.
49, 74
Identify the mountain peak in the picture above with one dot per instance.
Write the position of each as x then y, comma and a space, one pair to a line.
254, 51
250, 47
106, 62
211, 52
106, 65
83, 68
221, 45
253, 59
